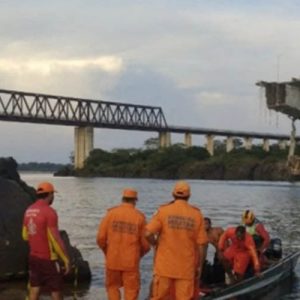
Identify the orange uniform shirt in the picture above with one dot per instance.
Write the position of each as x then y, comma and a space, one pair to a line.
240, 245
180, 227
121, 237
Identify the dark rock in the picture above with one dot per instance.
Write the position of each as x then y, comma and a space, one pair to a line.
251, 169
244, 171
272, 171
13, 250
65, 171
15, 197
8, 169
80, 267
203, 170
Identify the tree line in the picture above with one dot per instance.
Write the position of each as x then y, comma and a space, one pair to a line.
178, 161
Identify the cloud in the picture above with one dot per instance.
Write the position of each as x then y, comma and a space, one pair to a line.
213, 98
109, 64
198, 60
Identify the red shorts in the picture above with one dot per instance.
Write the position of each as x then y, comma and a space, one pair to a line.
45, 273
239, 259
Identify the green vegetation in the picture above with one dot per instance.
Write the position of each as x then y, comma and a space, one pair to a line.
164, 163
180, 162
40, 167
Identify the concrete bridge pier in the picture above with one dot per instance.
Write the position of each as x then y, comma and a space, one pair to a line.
248, 143
266, 145
164, 139
84, 144
188, 139
210, 144
229, 144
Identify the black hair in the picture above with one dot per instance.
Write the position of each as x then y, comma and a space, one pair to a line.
240, 229
208, 220
128, 200
42, 195
186, 198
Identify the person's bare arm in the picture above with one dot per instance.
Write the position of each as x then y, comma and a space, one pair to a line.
151, 238
202, 250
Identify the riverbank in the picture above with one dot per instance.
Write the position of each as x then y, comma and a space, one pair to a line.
190, 163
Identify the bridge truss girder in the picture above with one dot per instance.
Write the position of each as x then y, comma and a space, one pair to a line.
48, 109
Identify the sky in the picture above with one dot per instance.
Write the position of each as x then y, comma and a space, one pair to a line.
198, 60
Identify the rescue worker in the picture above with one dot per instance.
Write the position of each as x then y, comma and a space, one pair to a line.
177, 230
238, 255
216, 272
257, 230
121, 238
213, 233
40, 229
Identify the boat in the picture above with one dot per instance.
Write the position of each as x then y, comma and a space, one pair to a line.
254, 287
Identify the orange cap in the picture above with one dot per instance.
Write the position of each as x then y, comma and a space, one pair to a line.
45, 187
181, 189
130, 193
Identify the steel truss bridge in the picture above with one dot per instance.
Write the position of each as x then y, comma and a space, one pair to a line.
21, 106
48, 109
86, 114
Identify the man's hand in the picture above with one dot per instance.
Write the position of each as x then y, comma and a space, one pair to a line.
258, 274
151, 238
67, 269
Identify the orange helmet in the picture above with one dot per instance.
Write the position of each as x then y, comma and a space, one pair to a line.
130, 193
181, 189
248, 217
45, 187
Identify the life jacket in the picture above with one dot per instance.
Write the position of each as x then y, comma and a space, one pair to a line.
257, 237
252, 229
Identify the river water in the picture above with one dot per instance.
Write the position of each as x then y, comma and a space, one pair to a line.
82, 202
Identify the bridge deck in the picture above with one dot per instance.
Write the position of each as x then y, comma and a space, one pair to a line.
18, 106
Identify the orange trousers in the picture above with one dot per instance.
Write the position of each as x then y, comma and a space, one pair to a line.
238, 259
130, 280
164, 287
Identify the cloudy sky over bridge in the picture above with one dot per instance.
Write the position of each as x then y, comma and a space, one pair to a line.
198, 60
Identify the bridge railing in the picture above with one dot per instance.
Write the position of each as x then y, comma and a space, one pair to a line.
42, 108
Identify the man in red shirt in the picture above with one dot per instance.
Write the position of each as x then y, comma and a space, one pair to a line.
238, 255
40, 229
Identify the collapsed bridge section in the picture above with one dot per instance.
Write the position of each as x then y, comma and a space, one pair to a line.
283, 97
